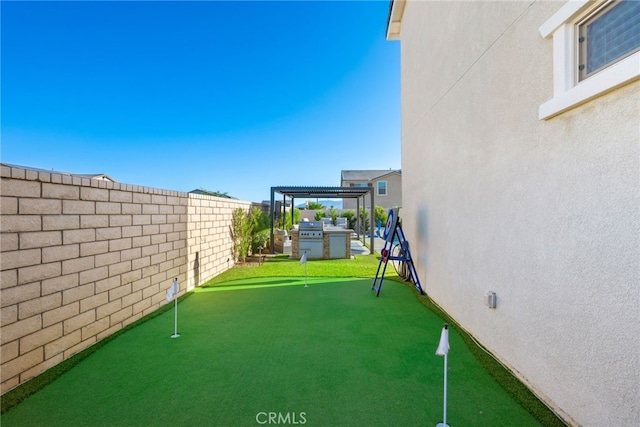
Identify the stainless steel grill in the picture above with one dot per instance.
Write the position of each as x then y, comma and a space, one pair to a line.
310, 230
310, 241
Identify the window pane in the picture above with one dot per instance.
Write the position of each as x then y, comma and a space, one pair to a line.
613, 35
382, 187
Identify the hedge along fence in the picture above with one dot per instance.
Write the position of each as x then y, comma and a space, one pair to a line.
82, 258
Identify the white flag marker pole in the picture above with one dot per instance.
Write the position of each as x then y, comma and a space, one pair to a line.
443, 350
172, 293
303, 260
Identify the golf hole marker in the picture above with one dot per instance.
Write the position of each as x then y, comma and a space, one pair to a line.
172, 294
443, 350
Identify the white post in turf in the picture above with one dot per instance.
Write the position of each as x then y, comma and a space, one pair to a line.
303, 260
443, 350
172, 293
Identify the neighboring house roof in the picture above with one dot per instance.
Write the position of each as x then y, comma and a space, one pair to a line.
393, 172
366, 175
211, 193
100, 176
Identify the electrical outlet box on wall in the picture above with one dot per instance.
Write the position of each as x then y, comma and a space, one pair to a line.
490, 299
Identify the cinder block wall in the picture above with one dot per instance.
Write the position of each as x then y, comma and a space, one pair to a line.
209, 243
82, 258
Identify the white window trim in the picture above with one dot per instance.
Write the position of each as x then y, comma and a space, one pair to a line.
567, 91
386, 188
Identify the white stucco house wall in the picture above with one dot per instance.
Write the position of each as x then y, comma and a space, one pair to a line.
520, 156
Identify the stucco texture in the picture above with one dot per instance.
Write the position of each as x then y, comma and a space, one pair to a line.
544, 213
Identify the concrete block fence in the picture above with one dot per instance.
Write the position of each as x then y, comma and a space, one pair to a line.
82, 258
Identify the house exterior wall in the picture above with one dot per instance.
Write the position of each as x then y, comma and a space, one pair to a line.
391, 200
542, 212
352, 204
83, 258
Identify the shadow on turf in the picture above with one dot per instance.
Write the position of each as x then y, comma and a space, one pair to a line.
15, 396
257, 283
520, 392
281, 258
244, 283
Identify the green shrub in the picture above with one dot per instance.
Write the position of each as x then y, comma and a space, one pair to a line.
240, 234
380, 214
285, 223
259, 241
261, 221
315, 206
260, 225
333, 213
351, 218
364, 221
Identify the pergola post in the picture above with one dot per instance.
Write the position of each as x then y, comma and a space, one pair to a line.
316, 192
284, 212
358, 218
292, 210
272, 209
373, 217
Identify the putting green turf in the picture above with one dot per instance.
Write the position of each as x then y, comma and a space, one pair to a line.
330, 354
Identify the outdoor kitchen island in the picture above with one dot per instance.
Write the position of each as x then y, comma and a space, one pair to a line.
320, 241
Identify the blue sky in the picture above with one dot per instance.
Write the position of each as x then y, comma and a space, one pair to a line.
227, 96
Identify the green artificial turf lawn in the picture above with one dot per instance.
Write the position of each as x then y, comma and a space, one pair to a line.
283, 266
331, 354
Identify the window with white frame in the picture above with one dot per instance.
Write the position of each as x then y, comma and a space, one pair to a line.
382, 188
596, 48
610, 34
